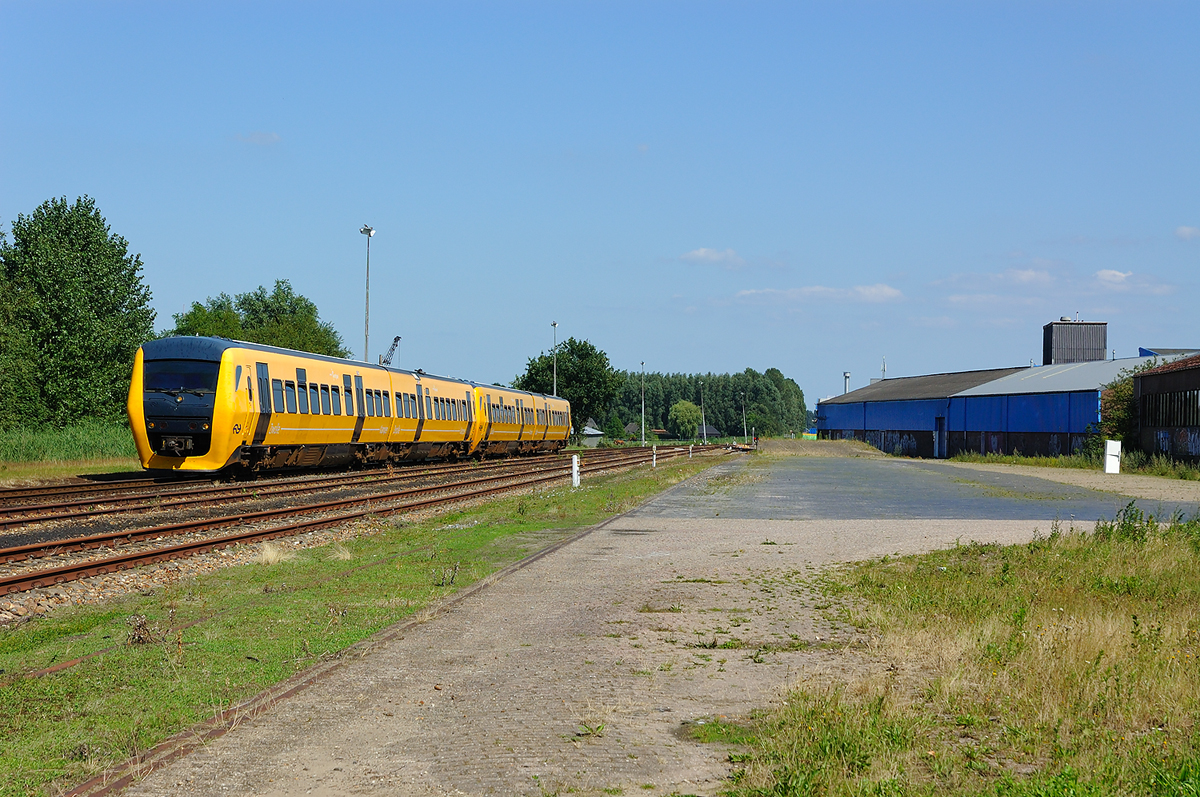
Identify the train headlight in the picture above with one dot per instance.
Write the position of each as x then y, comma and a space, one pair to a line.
204, 427
150, 425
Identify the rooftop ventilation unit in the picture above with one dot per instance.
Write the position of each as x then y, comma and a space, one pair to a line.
1068, 341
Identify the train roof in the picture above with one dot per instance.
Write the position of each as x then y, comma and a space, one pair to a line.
199, 347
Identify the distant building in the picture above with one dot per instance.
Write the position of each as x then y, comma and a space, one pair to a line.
1169, 408
1047, 410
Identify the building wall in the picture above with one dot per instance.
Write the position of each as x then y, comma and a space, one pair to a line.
1047, 424
1169, 411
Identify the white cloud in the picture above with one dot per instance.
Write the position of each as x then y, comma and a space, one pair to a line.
876, 293
260, 138
1028, 276
1110, 277
727, 258
1187, 233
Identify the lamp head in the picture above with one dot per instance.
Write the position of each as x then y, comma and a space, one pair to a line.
367, 231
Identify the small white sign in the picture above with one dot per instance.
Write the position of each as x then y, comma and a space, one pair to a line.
1112, 456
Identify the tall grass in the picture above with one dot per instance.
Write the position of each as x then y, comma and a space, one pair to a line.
1066, 666
1132, 461
87, 440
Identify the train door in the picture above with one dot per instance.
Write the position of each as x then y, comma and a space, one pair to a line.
362, 406
241, 406
264, 404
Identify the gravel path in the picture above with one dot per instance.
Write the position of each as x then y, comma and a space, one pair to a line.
577, 672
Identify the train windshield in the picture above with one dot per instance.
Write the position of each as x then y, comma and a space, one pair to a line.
168, 376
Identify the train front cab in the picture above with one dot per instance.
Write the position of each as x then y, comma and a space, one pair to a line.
181, 405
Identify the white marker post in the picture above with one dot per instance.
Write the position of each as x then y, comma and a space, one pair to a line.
1112, 456
574, 470
689, 452
654, 456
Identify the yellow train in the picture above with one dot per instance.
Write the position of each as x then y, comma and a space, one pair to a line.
206, 404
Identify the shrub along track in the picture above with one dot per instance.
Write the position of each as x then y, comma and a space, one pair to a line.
316, 516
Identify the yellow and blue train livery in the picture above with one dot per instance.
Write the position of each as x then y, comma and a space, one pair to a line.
205, 404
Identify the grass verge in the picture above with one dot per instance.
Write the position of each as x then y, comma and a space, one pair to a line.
259, 624
1131, 462
1068, 666
92, 446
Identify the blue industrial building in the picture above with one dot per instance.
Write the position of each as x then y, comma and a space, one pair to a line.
1047, 410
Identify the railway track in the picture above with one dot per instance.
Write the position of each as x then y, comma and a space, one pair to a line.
23, 514
298, 519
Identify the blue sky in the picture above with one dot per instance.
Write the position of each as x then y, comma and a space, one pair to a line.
703, 186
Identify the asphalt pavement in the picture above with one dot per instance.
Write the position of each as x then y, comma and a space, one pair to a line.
830, 488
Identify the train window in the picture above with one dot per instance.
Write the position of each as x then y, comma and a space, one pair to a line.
237, 377
454, 410
289, 392
314, 398
349, 391
369, 403
438, 408
428, 404
302, 396
403, 399
277, 392
386, 401
336, 396
325, 407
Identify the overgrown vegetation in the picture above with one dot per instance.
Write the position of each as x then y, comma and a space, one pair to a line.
258, 624
1131, 462
1068, 666
89, 439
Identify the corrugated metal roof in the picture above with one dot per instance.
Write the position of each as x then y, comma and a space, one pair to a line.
933, 386
1065, 378
1182, 364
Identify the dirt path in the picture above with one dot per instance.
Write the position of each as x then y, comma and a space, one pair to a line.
576, 673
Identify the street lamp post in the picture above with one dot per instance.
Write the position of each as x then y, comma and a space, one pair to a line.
555, 352
367, 231
643, 403
745, 438
703, 422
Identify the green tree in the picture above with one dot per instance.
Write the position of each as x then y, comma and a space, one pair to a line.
683, 419
75, 312
280, 318
585, 379
613, 428
1119, 407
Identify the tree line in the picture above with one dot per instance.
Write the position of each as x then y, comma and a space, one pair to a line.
772, 403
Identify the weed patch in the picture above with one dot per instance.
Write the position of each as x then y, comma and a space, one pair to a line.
1066, 666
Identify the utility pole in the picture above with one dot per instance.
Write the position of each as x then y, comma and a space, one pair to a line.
555, 350
643, 403
703, 422
369, 232
745, 438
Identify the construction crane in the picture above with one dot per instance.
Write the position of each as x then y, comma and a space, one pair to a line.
386, 359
